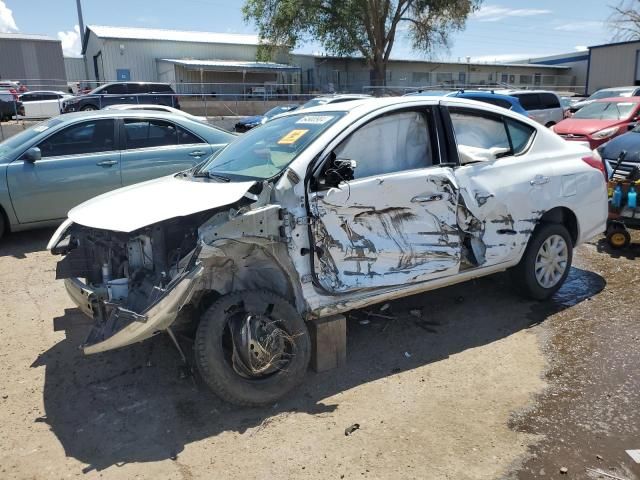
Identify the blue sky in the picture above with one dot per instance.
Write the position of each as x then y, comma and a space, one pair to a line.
503, 30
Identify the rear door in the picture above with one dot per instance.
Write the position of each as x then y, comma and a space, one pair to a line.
503, 190
50, 104
154, 147
116, 94
78, 163
32, 105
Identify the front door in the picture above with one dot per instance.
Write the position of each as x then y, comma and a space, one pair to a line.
394, 223
78, 163
153, 148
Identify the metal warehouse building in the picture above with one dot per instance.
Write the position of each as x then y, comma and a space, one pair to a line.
225, 64
195, 62
613, 65
34, 60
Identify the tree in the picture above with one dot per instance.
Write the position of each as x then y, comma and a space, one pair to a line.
365, 27
625, 20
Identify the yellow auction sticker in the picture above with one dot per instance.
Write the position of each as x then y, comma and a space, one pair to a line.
292, 137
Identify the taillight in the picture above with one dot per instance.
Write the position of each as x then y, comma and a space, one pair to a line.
597, 164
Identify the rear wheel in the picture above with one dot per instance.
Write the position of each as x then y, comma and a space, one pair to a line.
89, 108
252, 347
546, 261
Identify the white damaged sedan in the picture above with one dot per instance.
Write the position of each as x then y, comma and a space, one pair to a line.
322, 211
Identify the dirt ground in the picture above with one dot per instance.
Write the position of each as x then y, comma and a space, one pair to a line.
484, 385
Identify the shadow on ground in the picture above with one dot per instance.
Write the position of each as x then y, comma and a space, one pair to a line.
19, 244
131, 405
631, 252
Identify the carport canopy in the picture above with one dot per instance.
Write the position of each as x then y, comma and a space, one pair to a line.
232, 66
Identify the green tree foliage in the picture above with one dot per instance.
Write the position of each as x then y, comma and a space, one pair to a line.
365, 27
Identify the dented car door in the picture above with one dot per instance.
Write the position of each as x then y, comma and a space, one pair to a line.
395, 222
502, 193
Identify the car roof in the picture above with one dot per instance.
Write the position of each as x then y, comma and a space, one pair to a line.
616, 89
518, 92
119, 113
482, 93
47, 91
620, 99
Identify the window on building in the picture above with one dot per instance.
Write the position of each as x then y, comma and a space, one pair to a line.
421, 78
445, 77
526, 79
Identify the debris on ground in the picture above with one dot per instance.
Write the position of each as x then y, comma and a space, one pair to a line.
415, 313
564, 470
602, 473
407, 354
634, 454
349, 430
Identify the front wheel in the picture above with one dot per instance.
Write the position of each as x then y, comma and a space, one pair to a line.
252, 347
546, 262
89, 108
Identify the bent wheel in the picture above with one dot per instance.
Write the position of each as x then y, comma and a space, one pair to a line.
546, 262
252, 347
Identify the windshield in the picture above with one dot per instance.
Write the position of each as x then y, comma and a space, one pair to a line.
610, 94
606, 110
26, 135
264, 152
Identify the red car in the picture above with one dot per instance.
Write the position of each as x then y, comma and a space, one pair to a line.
600, 121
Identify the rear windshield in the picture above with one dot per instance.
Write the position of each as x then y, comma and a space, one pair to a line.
606, 110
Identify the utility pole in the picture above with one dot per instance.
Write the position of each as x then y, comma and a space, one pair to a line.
80, 22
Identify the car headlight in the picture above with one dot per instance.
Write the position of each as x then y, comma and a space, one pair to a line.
604, 133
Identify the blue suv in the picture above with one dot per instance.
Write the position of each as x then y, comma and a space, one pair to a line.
504, 101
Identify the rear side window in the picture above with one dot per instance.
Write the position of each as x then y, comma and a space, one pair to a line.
529, 101
115, 89
142, 133
82, 138
549, 100
483, 137
186, 138
160, 88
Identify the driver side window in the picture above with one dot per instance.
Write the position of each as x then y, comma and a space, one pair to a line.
82, 138
391, 143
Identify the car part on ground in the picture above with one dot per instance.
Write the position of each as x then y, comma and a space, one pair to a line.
322, 211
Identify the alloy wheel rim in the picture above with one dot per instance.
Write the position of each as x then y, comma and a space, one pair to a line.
551, 261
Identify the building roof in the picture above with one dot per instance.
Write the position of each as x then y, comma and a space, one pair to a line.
26, 36
231, 65
613, 44
129, 33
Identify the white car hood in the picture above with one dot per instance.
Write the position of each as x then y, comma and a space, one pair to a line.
136, 206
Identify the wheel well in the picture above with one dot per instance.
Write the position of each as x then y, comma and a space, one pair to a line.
565, 217
550, 124
5, 218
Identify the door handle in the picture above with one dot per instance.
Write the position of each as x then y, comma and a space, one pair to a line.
427, 198
197, 153
539, 180
106, 163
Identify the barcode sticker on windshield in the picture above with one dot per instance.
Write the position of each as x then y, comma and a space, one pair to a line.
292, 137
315, 119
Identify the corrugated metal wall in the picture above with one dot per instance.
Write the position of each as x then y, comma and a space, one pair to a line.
613, 66
75, 69
36, 63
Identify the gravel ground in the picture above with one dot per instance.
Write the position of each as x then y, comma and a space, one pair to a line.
483, 385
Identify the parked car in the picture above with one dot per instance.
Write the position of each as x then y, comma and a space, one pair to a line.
504, 101
16, 88
542, 106
156, 108
600, 121
629, 143
53, 166
43, 103
606, 93
9, 106
324, 210
248, 123
338, 98
123, 92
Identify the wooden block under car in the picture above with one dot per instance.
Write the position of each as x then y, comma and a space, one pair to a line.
328, 342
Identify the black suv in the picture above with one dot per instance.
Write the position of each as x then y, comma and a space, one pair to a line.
123, 92
9, 106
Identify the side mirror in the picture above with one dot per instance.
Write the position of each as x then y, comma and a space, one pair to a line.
341, 170
32, 155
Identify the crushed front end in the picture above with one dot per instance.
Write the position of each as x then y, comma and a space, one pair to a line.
132, 284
